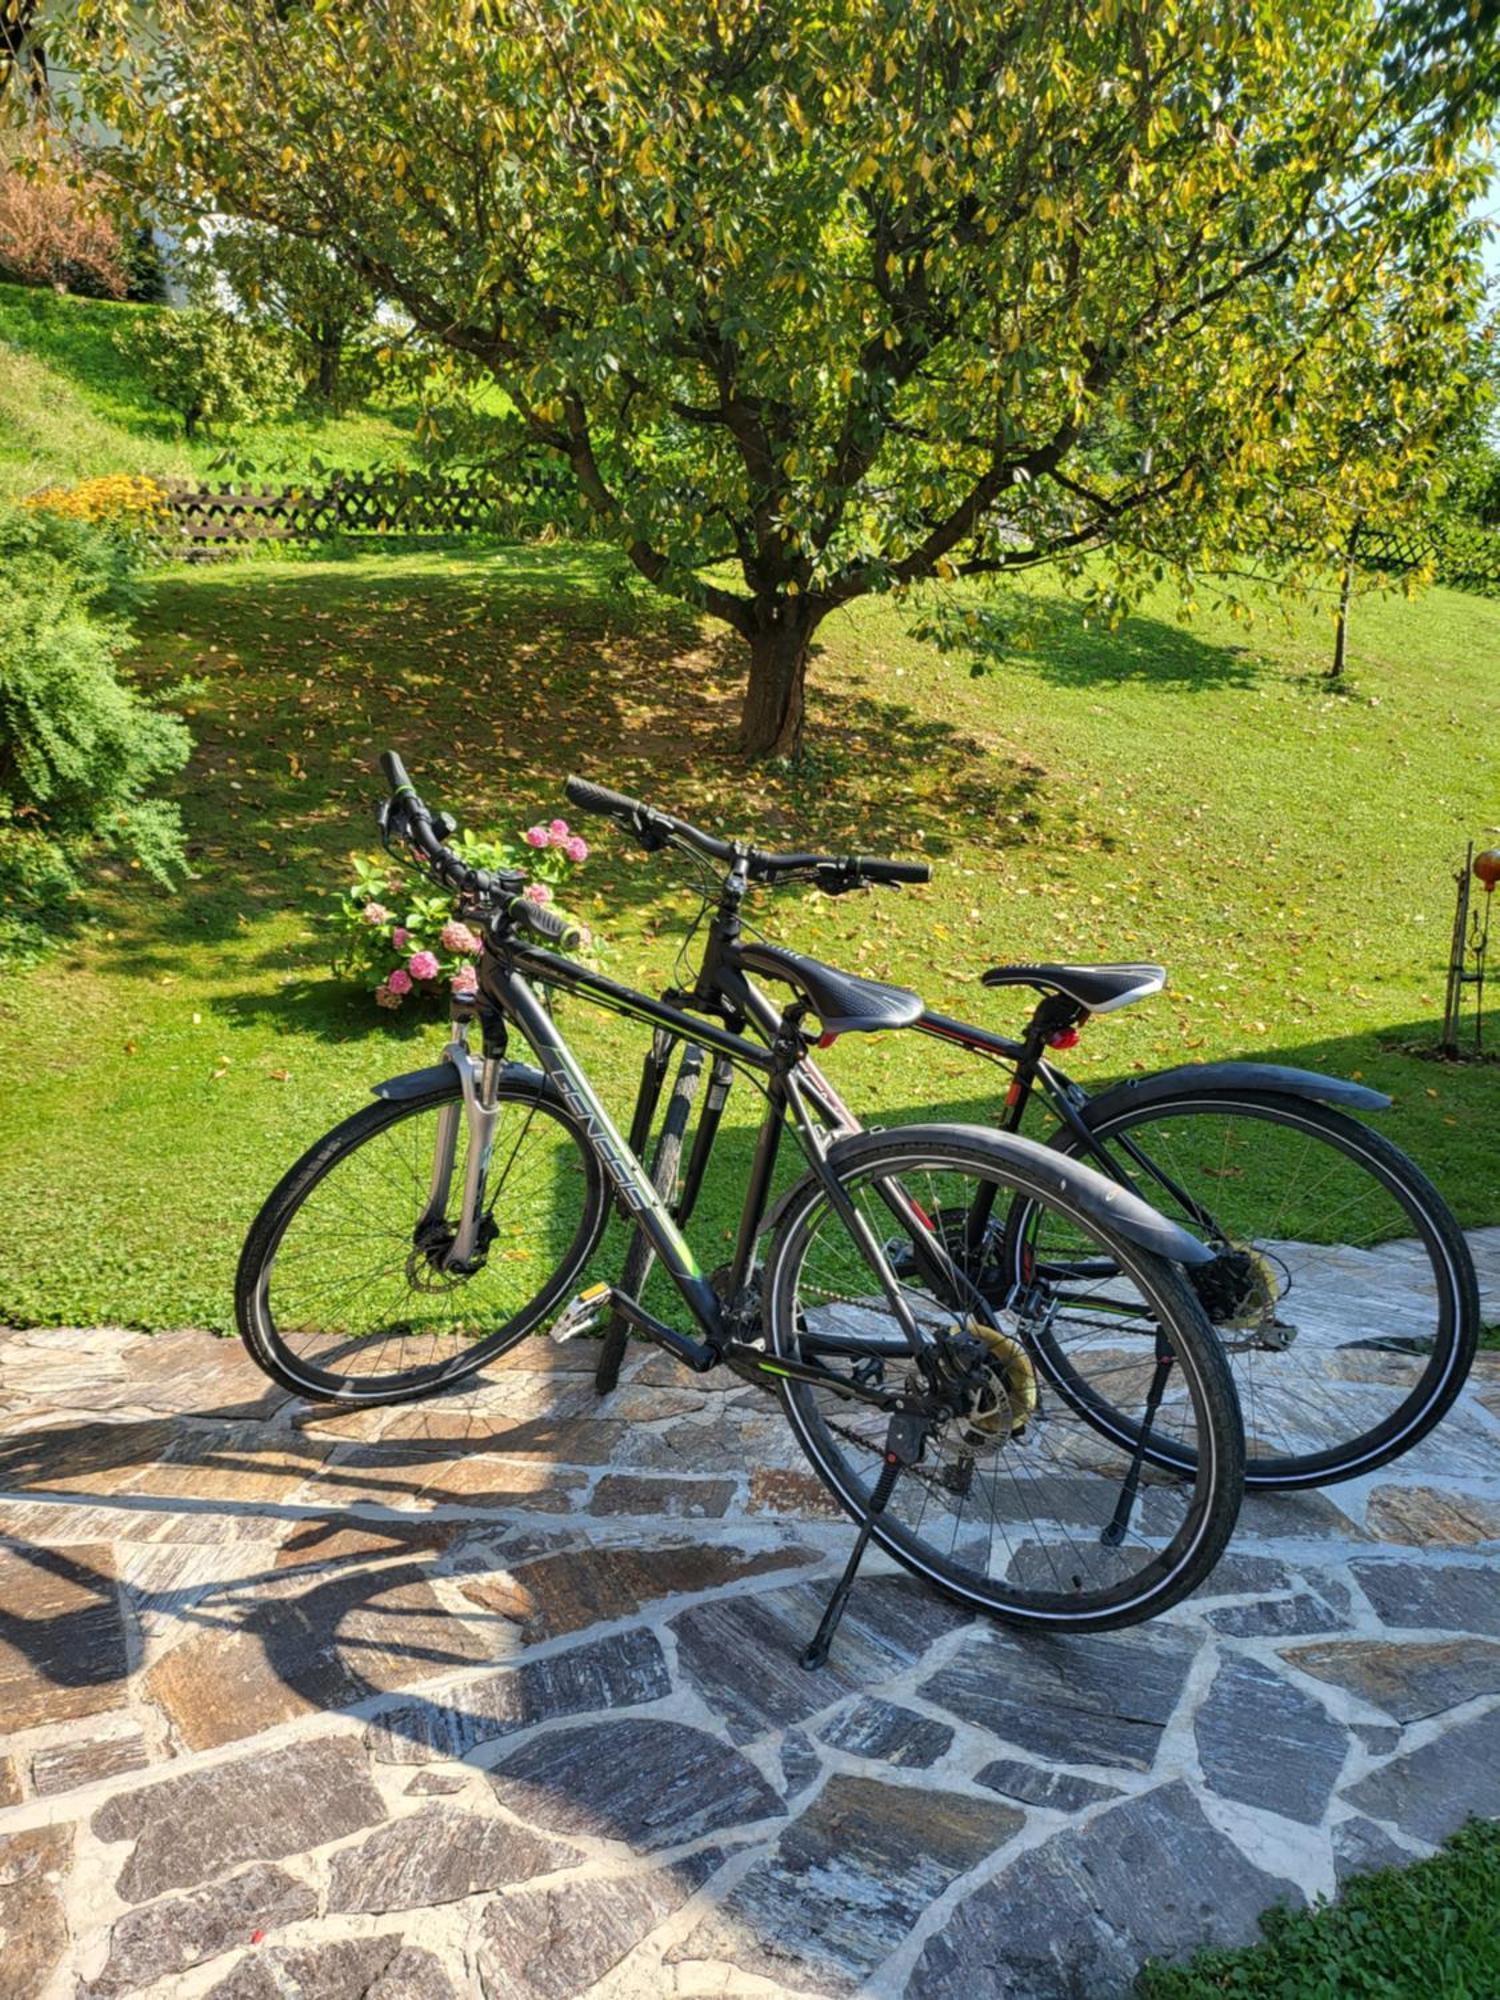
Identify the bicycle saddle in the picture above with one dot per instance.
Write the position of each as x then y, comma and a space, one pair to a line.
1100, 988
843, 1002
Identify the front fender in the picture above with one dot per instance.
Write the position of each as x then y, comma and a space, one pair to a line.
441, 1076
1103, 1200
1191, 1078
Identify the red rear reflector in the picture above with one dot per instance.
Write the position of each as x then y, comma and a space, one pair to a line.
1065, 1038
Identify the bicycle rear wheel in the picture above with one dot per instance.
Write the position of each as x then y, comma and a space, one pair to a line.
341, 1294
1344, 1293
1024, 1507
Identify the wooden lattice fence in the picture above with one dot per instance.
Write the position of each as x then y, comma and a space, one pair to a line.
1464, 558
525, 494
534, 493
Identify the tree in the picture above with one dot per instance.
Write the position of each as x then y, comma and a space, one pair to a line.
209, 367
824, 297
81, 751
55, 233
305, 292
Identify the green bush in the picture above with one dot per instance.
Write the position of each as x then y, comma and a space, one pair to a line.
212, 369
79, 749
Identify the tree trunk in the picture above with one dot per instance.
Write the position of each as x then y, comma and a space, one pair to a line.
330, 346
1346, 585
772, 716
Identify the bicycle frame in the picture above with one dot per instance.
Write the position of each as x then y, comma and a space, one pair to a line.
796, 1093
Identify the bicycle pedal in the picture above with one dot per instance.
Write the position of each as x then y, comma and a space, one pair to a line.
582, 1312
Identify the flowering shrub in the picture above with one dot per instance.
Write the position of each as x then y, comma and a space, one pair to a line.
125, 502
412, 944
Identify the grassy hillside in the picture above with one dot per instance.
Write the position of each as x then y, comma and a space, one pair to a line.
71, 407
1183, 793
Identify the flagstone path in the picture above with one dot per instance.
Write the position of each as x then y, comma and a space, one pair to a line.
500, 1697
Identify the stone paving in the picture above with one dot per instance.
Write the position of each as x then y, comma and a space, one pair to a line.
500, 1697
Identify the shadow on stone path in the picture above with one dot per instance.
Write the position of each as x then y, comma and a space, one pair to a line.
500, 1696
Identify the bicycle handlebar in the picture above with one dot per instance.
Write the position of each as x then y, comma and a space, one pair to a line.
505, 888
654, 829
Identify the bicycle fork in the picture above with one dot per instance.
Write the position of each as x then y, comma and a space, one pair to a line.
480, 1081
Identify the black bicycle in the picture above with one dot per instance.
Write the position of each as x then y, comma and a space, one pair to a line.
438, 1226
1341, 1286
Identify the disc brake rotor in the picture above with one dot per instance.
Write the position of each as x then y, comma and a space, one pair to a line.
1240, 1292
1006, 1403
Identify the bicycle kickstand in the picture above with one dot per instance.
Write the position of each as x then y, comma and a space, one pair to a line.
903, 1447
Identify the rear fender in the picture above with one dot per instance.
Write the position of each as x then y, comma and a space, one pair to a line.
1191, 1078
1101, 1199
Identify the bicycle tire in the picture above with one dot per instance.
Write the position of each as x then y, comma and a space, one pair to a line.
271, 1348
1211, 1505
1454, 1286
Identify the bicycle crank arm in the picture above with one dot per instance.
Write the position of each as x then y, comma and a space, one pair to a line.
588, 1307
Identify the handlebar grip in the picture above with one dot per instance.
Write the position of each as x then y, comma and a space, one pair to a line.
893, 871
600, 799
395, 772
549, 925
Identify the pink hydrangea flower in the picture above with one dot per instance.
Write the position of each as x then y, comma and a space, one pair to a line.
576, 848
455, 936
536, 836
538, 892
399, 982
558, 828
384, 997
399, 936
465, 980
423, 965
376, 913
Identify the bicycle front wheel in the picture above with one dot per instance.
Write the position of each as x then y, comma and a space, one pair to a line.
1343, 1292
342, 1294
1023, 1507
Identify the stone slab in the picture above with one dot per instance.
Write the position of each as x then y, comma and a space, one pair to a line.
312, 1643
1360, 1847
551, 1944
846, 1882
889, 1625
1410, 1679
1451, 1598
346, 1969
575, 1588
650, 1784
66, 1766
1087, 1699
438, 1855
889, 1733
191, 1829
63, 1648
33, 1925
1268, 1744
618, 1671
171, 1936
1034, 1785
1429, 1793
1431, 1517
666, 1499
1070, 1920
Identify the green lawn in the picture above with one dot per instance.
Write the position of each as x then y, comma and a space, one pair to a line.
1187, 794
1428, 1932
71, 407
